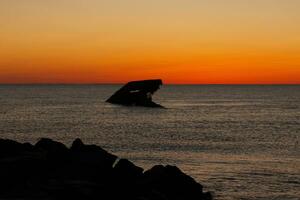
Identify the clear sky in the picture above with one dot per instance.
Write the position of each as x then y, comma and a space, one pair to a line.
180, 41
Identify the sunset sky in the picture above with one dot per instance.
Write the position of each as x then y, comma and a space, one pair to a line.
180, 41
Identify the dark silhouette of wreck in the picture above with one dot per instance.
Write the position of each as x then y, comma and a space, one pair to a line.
137, 93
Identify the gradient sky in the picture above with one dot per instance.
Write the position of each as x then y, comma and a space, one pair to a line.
180, 41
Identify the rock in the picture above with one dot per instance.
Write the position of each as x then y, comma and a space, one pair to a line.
51, 146
50, 170
137, 93
126, 170
54, 152
91, 154
10, 147
77, 145
172, 182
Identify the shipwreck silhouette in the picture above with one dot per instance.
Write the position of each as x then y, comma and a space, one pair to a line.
137, 93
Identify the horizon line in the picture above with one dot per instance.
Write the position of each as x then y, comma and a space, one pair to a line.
163, 84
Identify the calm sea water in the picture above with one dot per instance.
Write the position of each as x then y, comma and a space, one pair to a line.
242, 142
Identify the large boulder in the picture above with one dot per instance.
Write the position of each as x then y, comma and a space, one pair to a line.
51, 146
91, 155
50, 170
10, 147
54, 152
127, 171
172, 182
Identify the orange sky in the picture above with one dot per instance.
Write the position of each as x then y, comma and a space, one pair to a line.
180, 41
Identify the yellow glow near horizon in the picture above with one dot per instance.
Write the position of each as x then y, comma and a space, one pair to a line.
180, 41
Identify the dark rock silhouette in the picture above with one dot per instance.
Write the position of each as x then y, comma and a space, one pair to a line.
51, 146
50, 170
167, 179
91, 155
126, 170
138, 93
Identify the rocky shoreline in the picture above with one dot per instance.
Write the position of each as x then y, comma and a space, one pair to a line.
50, 170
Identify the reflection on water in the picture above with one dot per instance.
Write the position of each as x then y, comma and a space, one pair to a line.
242, 142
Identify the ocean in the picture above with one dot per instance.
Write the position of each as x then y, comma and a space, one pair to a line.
238, 141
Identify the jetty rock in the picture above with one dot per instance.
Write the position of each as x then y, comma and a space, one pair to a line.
51, 170
137, 93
